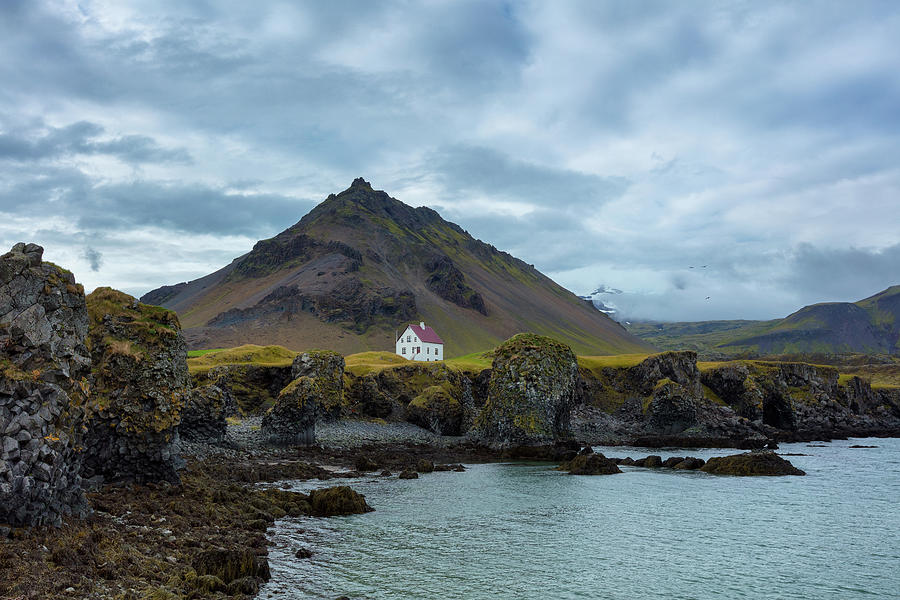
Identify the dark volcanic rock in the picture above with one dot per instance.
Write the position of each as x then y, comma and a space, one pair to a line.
407, 474
590, 464
448, 282
437, 410
44, 370
204, 415
253, 387
328, 368
339, 500
531, 392
672, 408
141, 385
751, 463
292, 420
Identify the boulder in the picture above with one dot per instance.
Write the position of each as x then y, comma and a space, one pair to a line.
338, 500
530, 394
751, 463
292, 420
407, 474
423, 465
436, 410
44, 385
328, 367
654, 461
672, 408
141, 385
689, 464
365, 464
590, 464
204, 415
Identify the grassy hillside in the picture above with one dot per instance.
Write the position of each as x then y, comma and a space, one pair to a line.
870, 326
361, 266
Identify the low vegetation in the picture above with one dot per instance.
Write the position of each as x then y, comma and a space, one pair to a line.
248, 354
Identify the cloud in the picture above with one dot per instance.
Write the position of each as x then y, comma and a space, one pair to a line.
84, 138
94, 258
611, 142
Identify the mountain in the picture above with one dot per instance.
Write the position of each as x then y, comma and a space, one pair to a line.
360, 266
870, 326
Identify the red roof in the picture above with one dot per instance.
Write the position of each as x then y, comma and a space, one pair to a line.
428, 334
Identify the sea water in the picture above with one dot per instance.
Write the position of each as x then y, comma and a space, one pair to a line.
523, 530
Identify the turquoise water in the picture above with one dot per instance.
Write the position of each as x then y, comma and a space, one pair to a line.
525, 531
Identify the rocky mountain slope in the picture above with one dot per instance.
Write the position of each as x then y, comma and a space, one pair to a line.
361, 265
870, 326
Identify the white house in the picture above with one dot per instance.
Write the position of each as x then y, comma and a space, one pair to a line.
419, 342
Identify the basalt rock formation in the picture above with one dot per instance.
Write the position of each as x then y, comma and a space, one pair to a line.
530, 394
44, 370
316, 391
203, 419
254, 388
750, 463
328, 367
141, 385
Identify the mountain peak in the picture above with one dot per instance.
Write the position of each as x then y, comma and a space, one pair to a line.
359, 182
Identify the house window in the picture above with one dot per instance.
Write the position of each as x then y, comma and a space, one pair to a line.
427, 350
415, 339
407, 338
402, 350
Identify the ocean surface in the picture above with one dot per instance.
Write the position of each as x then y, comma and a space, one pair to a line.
522, 530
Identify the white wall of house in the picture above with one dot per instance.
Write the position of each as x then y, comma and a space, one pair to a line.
410, 347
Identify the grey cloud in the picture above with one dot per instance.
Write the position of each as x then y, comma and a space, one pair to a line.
94, 258
81, 139
842, 274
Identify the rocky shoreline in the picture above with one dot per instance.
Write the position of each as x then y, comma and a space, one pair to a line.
123, 475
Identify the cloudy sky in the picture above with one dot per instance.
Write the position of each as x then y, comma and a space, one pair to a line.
609, 143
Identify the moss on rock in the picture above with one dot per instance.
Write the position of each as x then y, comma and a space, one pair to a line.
530, 393
750, 463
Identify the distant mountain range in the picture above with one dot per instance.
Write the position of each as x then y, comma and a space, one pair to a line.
870, 326
360, 266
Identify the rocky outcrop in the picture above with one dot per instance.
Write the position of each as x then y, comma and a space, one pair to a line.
400, 393
448, 282
141, 385
328, 367
339, 500
589, 462
750, 463
203, 419
292, 420
253, 387
44, 370
436, 410
672, 409
530, 394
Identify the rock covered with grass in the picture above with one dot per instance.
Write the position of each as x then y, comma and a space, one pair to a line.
141, 385
530, 393
328, 367
44, 370
436, 410
751, 463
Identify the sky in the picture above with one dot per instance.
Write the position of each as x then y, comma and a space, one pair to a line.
709, 160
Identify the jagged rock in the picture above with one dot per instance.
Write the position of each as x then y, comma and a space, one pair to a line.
141, 385
531, 393
204, 415
365, 464
436, 410
448, 282
672, 409
253, 387
594, 463
338, 500
292, 420
328, 368
751, 463
44, 370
